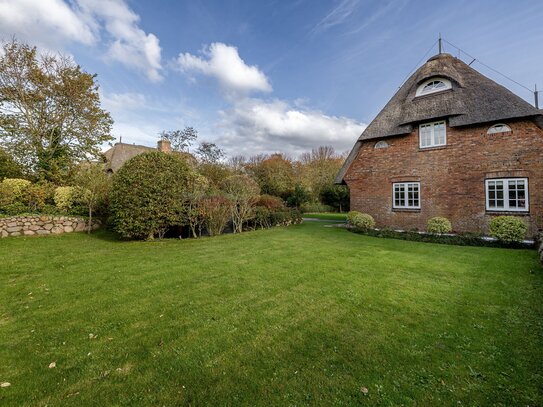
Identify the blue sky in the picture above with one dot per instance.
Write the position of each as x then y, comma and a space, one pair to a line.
267, 76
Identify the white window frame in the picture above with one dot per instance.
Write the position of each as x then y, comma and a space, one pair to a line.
433, 136
381, 144
498, 128
405, 187
505, 186
421, 91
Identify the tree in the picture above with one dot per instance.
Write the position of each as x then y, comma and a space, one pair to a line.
50, 114
298, 196
336, 196
209, 152
274, 174
243, 192
93, 184
9, 168
180, 140
148, 195
215, 211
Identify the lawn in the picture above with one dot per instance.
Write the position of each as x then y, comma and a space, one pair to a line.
305, 315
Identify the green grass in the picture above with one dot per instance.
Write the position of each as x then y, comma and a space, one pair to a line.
326, 216
305, 315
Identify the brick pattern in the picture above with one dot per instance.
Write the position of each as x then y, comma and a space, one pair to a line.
42, 225
452, 177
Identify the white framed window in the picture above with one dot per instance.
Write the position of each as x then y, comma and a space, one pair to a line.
507, 194
433, 85
432, 134
499, 128
381, 144
406, 195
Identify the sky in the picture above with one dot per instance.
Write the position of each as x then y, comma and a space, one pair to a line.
265, 76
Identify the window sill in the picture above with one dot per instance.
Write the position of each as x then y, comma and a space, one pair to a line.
405, 210
509, 213
433, 148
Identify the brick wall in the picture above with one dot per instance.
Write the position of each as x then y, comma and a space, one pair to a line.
452, 177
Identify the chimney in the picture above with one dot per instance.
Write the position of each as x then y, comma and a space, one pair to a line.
164, 146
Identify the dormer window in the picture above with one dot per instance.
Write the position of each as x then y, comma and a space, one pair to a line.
433, 85
499, 128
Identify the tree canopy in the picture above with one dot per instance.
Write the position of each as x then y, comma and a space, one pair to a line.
50, 113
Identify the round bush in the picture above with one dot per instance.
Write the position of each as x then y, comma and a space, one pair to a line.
148, 194
508, 229
269, 202
361, 221
439, 225
12, 190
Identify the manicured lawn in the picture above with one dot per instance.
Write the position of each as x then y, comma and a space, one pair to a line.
326, 216
305, 315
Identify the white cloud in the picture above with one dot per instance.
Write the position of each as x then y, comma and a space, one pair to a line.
223, 62
48, 22
53, 24
130, 46
255, 126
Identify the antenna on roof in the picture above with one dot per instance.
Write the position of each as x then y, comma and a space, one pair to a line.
536, 96
120, 139
439, 42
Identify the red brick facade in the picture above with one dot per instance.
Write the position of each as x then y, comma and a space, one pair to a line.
452, 178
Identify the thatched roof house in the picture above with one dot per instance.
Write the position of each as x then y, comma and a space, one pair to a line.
117, 155
438, 124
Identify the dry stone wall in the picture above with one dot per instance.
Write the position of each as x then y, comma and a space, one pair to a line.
42, 225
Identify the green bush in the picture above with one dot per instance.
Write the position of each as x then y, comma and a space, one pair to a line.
38, 195
267, 218
12, 190
438, 225
508, 229
65, 198
16, 208
315, 207
361, 221
148, 195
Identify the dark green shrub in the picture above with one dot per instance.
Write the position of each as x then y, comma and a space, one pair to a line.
508, 229
438, 225
148, 194
16, 208
361, 221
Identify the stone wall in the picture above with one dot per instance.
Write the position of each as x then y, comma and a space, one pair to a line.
42, 225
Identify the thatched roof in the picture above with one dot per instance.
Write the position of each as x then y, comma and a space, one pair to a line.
117, 155
473, 99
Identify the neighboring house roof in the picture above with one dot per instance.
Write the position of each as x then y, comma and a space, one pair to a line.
117, 155
473, 99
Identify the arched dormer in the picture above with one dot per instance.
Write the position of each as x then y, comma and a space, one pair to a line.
433, 85
381, 144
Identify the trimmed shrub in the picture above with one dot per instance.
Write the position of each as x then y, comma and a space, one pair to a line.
508, 229
438, 225
267, 218
65, 198
148, 195
361, 221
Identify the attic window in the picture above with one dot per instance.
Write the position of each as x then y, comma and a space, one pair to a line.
381, 144
433, 85
499, 128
